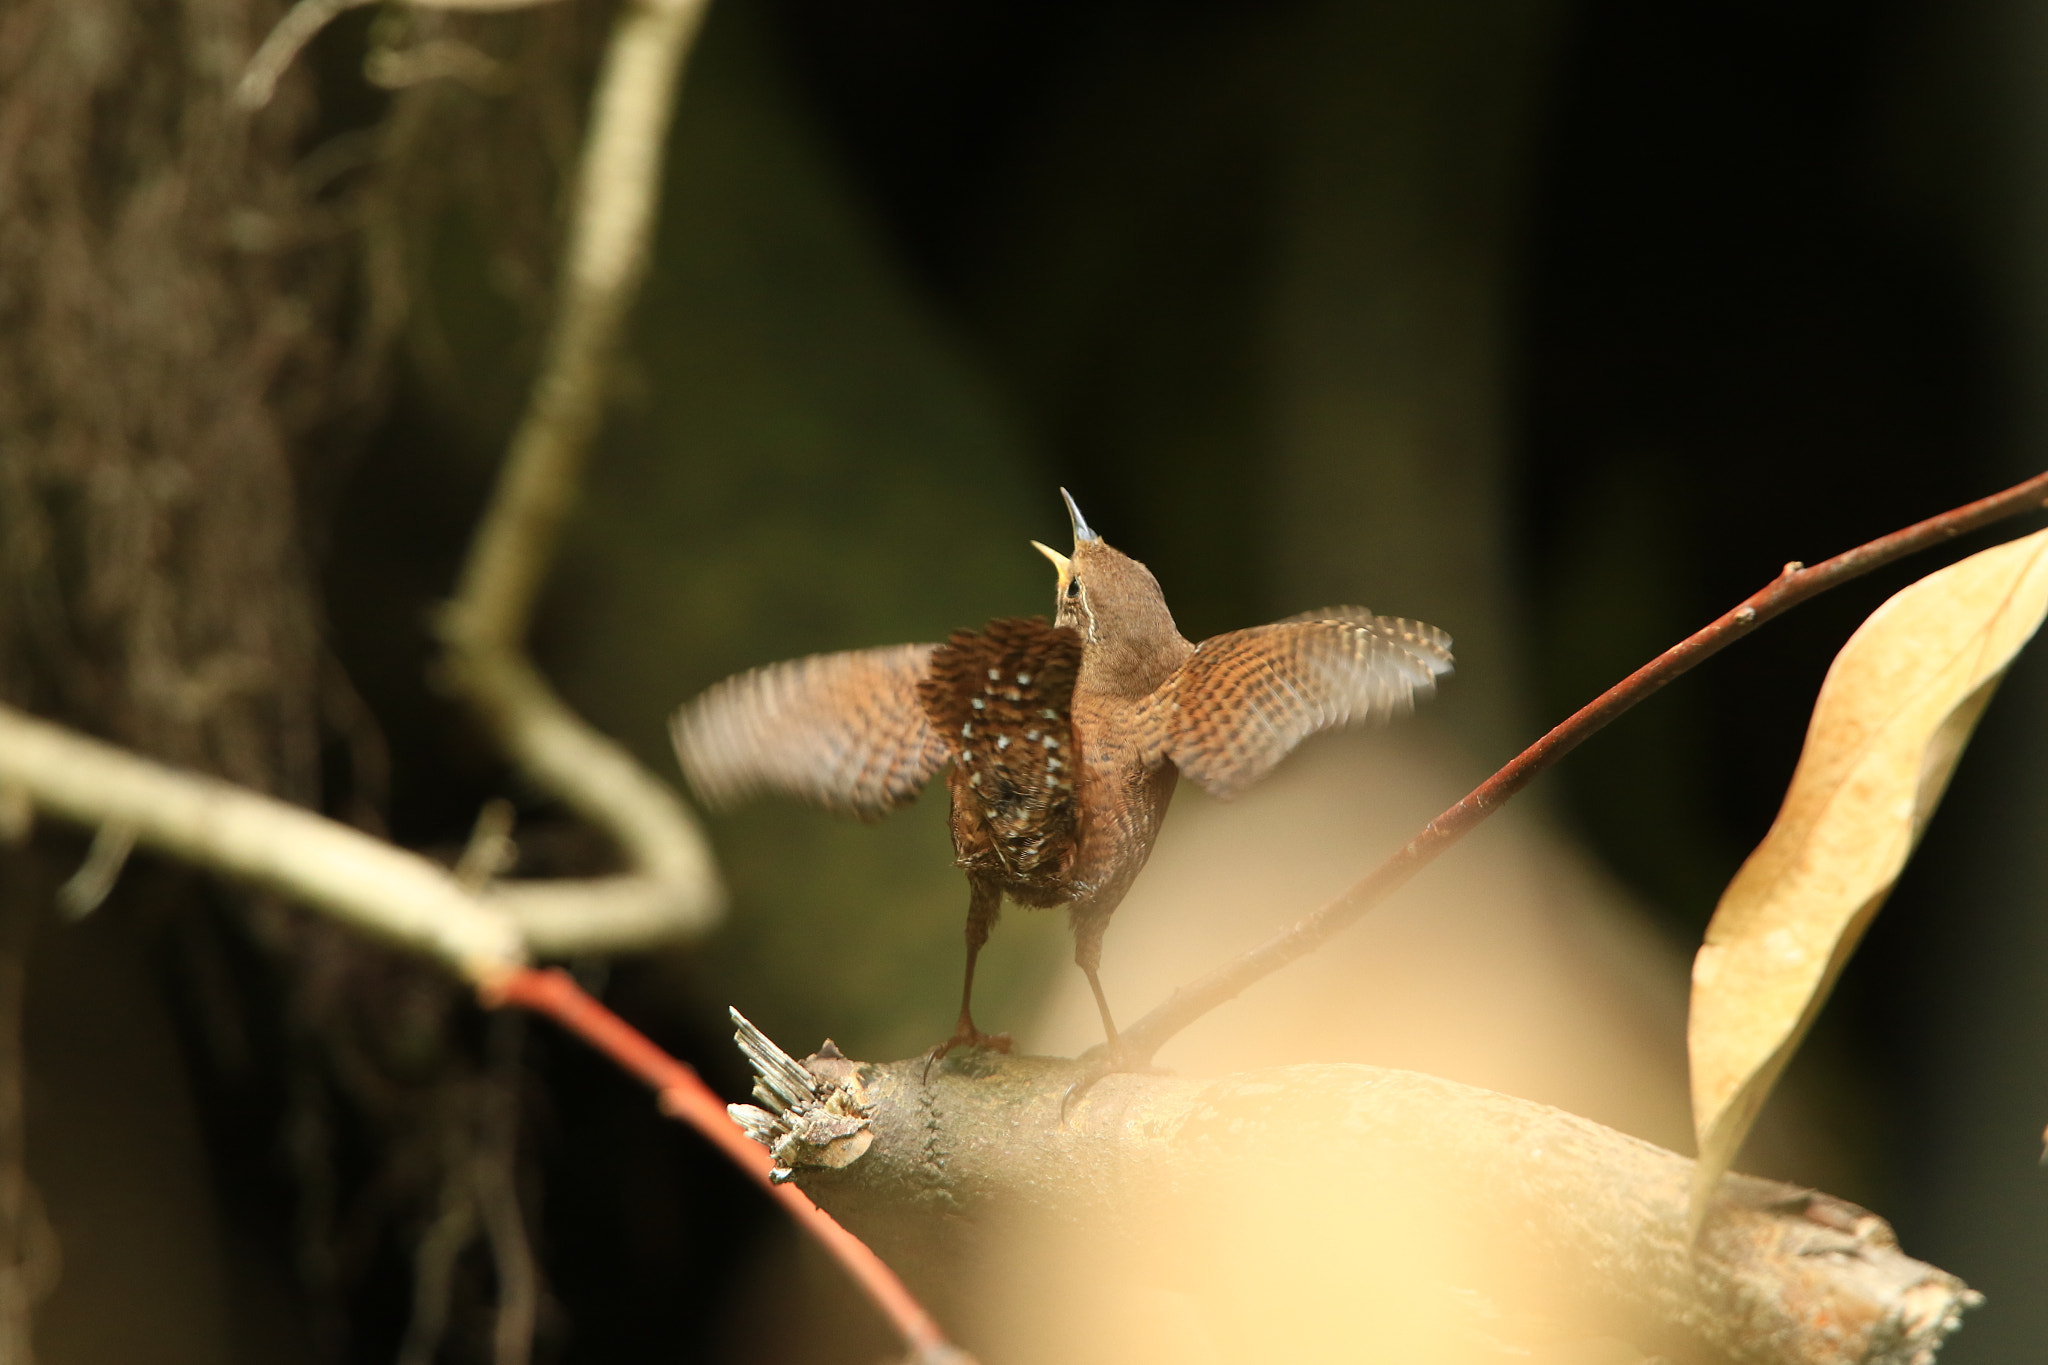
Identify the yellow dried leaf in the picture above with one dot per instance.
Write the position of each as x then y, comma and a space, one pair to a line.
1893, 715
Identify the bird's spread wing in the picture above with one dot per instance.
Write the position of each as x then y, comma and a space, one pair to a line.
1243, 700
844, 731
1003, 699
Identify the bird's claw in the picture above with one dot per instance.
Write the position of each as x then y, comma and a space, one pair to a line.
1098, 1064
969, 1037
1076, 1091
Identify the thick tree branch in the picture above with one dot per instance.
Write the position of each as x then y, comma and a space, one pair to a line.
1412, 1185
672, 890
1796, 584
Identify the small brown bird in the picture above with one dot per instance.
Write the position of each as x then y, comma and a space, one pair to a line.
1065, 740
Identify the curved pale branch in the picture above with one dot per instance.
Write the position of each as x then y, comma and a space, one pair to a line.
377, 887
672, 889
373, 886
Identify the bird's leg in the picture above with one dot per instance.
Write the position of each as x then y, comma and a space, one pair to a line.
985, 901
1088, 931
1111, 1058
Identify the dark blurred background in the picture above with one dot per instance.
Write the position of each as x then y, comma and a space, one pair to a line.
1561, 325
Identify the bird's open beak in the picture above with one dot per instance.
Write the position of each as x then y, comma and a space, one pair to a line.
1059, 561
1081, 528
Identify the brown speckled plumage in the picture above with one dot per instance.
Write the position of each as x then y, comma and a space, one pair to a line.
1002, 697
1065, 739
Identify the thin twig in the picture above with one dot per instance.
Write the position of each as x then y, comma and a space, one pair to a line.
24, 1277
494, 1170
94, 881
301, 24
436, 59
479, 6
491, 850
433, 1274
683, 1095
1795, 585
484, 628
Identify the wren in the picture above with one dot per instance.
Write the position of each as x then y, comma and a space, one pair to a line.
1065, 740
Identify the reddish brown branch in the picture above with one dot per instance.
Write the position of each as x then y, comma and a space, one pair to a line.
1795, 585
683, 1095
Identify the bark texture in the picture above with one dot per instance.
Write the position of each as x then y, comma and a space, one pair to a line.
173, 285
1307, 1207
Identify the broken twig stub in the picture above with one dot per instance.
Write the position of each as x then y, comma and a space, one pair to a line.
817, 1111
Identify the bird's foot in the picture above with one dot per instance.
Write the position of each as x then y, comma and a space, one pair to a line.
968, 1036
1101, 1062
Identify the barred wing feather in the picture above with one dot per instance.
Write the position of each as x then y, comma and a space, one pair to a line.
843, 731
1244, 700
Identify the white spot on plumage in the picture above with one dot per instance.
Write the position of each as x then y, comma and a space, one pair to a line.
1002, 743
1023, 680
995, 675
977, 703
967, 730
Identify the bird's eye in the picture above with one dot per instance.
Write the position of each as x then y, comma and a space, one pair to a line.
1073, 587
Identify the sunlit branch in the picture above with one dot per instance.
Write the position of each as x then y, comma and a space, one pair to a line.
1525, 1206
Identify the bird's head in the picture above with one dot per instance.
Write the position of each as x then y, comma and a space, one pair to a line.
1128, 639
